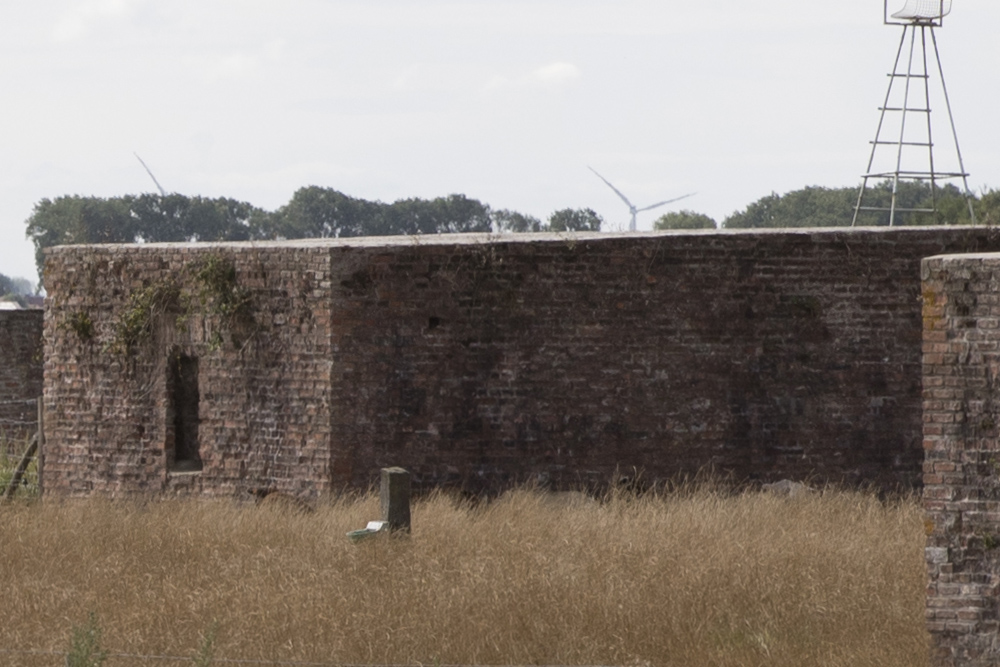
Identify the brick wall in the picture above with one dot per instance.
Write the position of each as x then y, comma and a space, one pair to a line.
482, 361
264, 371
961, 362
765, 355
20, 372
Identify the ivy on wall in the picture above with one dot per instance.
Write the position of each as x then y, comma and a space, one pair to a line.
208, 288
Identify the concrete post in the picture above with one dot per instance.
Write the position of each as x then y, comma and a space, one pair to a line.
395, 496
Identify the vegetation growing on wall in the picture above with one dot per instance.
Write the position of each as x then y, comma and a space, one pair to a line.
213, 292
219, 295
81, 324
145, 307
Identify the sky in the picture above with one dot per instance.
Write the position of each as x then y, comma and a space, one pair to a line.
506, 102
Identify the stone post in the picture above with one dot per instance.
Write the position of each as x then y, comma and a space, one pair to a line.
395, 496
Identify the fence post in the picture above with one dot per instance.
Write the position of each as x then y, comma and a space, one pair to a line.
394, 493
40, 453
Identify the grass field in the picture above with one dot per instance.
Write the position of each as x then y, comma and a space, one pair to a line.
688, 578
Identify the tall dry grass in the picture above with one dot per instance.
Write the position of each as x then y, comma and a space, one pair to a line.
694, 578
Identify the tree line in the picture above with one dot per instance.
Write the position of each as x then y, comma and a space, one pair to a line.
312, 212
816, 206
15, 289
319, 212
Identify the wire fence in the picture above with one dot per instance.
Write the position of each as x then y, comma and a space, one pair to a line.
18, 418
20, 434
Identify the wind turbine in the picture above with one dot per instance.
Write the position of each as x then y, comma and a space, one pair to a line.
631, 207
163, 192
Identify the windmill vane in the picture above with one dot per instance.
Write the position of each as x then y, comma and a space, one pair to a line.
632, 207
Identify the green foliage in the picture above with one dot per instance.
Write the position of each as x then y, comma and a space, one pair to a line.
217, 294
319, 212
14, 289
81, 324
808, 207
948, 200
505, 220
575, 220
74, 219
6, 285
206, 652
85, 645
316, 212
143, 310
444, 215
834, 207
177, 217
220, 291
9, 461
152, 218
221, 295
312, 212
684, 220
988, 208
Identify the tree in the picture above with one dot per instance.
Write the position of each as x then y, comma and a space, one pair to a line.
312, 212
809, 207
14, 289
505, 220
74, 219
151, 218
988, 208
575, 220
832, 207
22, 286
317, 212
684, 220
443, 215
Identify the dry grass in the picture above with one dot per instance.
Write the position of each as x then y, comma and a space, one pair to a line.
695, 578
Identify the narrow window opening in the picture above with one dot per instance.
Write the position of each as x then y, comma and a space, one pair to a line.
184, 398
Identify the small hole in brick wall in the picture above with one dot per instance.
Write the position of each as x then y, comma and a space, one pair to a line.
182, 391
433, 322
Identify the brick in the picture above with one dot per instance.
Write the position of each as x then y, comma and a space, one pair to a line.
20, 373
568, 359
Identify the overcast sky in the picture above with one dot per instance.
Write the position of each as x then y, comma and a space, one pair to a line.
506, 102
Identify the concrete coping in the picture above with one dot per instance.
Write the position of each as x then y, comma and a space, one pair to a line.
511, 237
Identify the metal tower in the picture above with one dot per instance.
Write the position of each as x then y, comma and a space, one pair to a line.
913, 139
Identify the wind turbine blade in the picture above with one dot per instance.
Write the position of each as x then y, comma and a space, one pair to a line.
158, 186
669, 201
624, 198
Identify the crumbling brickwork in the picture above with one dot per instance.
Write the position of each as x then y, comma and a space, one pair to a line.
961, 365
20, 372
480, 361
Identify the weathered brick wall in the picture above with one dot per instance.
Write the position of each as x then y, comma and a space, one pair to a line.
480, 361
20, 372
765, 355
961, 365
264, 370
